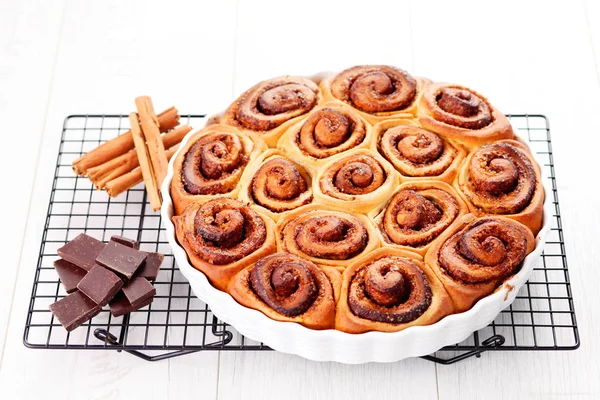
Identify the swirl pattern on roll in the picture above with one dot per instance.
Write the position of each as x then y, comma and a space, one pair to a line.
356, 174
337, 236
392, 290
329, 131
214, 164
376, 88
501, 179
416, 152
226, 231
416, 216
286, 283
273, 102
461, 107
486, 250
280, 185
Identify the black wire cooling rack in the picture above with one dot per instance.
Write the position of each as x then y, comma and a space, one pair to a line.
176, 323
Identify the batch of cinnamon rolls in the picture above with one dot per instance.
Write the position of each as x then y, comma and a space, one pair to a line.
370, 200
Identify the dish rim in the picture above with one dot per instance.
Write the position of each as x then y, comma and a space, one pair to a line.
334, 345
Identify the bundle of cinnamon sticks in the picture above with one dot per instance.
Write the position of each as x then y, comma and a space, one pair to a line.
138, 155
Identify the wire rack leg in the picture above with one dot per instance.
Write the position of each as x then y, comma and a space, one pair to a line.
490, 343
111, 340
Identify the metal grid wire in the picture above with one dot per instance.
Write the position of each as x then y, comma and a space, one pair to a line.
541, 318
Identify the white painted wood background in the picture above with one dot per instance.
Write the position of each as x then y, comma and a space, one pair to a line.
59, 57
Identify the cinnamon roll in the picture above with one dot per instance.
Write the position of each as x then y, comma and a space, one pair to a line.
326, 235
417, 153
462, 114
211, 164
475, 255
326, 132
503, 178
359, 180
222, 236
377, 92
418, 213
390, 290
271, 106
275, 184
286, 287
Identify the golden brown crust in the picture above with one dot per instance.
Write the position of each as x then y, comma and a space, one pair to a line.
417, 213
211, 164
271, 106
274, 184
462, 114
376, 294
327, 131
358, 180
376, 92
503, 178
474, 255
222, 236
286, 287
326, 236
416, 153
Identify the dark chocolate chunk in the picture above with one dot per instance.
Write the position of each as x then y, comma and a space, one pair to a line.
74, 310
150, 267
138, 290
126, 241
82, 251
120, 305
100, 285
121, 259
69, 274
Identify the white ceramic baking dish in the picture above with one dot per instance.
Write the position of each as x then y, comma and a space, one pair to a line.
332, 345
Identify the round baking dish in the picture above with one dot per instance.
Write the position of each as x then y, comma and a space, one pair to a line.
333, 345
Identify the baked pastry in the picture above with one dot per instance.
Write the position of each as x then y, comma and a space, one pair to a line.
503, 178
275, 184
417, 213
389, 290
286, 287
377, 92
211, 164
385, 201
475, 255
271, 106
327, 131
326, 235
222, 236
358, 180
417, 153
462, 114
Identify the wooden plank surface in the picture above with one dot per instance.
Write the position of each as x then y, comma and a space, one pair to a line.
109, 53
29, 37
60, 58
529, 57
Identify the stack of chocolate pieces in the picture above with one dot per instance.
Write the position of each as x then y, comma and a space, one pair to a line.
95, 274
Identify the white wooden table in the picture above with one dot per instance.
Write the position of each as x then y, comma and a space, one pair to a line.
60, 57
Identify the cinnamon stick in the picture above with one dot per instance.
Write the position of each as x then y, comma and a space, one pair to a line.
132, 162
125, 182
168, 119
151, 132
99, 171
112, 169
145, 164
